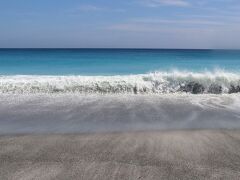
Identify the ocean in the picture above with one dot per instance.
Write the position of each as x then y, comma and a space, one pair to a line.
109, 62
119, 71
99, 90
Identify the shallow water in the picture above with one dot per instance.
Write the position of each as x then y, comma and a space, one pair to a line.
71, 113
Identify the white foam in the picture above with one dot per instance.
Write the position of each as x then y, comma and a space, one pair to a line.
157, 83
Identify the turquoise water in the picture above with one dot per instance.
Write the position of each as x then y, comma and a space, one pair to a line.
138, 71
113, 61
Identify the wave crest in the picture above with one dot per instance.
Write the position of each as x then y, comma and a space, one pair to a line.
216, 82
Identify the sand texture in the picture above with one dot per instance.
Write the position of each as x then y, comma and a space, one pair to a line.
198, 154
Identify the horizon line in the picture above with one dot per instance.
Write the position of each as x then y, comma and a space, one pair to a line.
107, 48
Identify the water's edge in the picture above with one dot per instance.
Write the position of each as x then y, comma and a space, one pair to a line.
73, 113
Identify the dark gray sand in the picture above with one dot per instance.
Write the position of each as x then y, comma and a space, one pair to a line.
198, 154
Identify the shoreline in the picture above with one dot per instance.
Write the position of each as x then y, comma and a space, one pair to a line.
48, 114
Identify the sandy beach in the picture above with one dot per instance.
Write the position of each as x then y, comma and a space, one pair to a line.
199, 154
131, 137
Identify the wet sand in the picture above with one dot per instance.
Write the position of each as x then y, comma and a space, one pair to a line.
68, 113
183, 154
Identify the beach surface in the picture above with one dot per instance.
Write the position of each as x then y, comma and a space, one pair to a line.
75, 113
198, 154
70, 136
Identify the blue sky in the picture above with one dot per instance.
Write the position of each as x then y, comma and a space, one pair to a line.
120, 24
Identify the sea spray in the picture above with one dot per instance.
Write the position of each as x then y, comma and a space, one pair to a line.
216, 82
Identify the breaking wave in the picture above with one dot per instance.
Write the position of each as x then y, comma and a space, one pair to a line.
216, 82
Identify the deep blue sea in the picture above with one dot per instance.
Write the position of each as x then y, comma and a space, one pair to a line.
119, 71
113, 61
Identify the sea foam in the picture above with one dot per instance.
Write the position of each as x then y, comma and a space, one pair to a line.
215, 82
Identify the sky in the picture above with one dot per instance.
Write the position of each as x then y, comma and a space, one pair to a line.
195, 24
